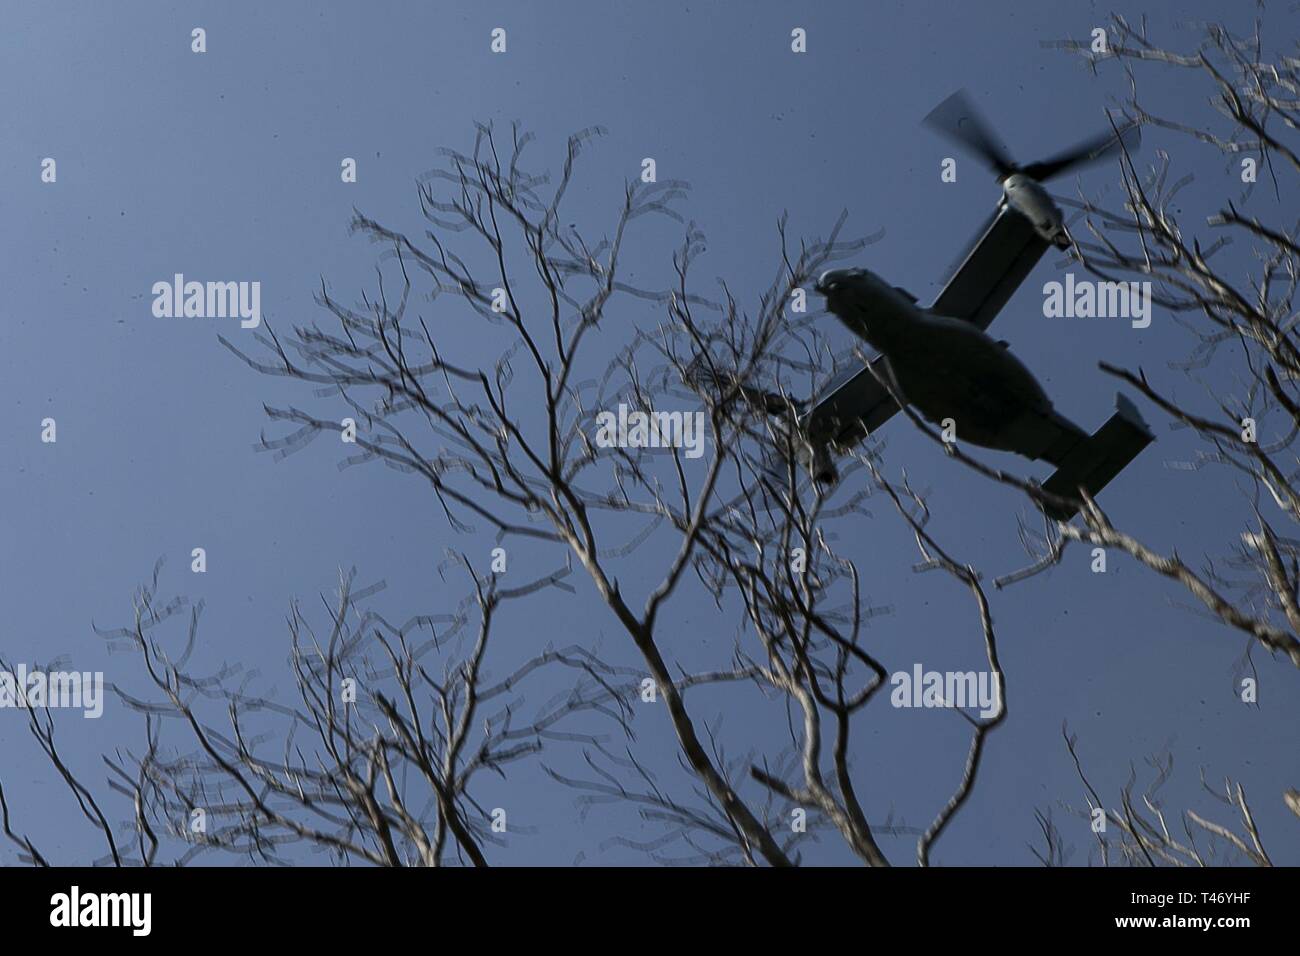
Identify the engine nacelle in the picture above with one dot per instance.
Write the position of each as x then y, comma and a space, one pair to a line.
1031, 200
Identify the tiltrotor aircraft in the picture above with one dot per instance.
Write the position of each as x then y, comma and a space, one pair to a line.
941, 361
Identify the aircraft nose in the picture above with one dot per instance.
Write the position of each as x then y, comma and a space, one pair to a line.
828, 280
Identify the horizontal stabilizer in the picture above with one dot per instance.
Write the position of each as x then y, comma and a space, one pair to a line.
1093, 463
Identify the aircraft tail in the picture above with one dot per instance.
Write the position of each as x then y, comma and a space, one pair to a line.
1091, 464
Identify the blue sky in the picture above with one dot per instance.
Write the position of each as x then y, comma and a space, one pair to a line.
226, 165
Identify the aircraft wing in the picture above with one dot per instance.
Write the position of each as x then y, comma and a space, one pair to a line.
992, 271
855, 405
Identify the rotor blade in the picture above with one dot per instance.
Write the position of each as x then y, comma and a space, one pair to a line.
1092, 151
958, 119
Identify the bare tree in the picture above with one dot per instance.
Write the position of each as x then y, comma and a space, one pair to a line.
1241, 318
378, 762
1139, 829
500, 360
515, 445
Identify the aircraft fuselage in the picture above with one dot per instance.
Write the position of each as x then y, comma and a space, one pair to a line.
947, 369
